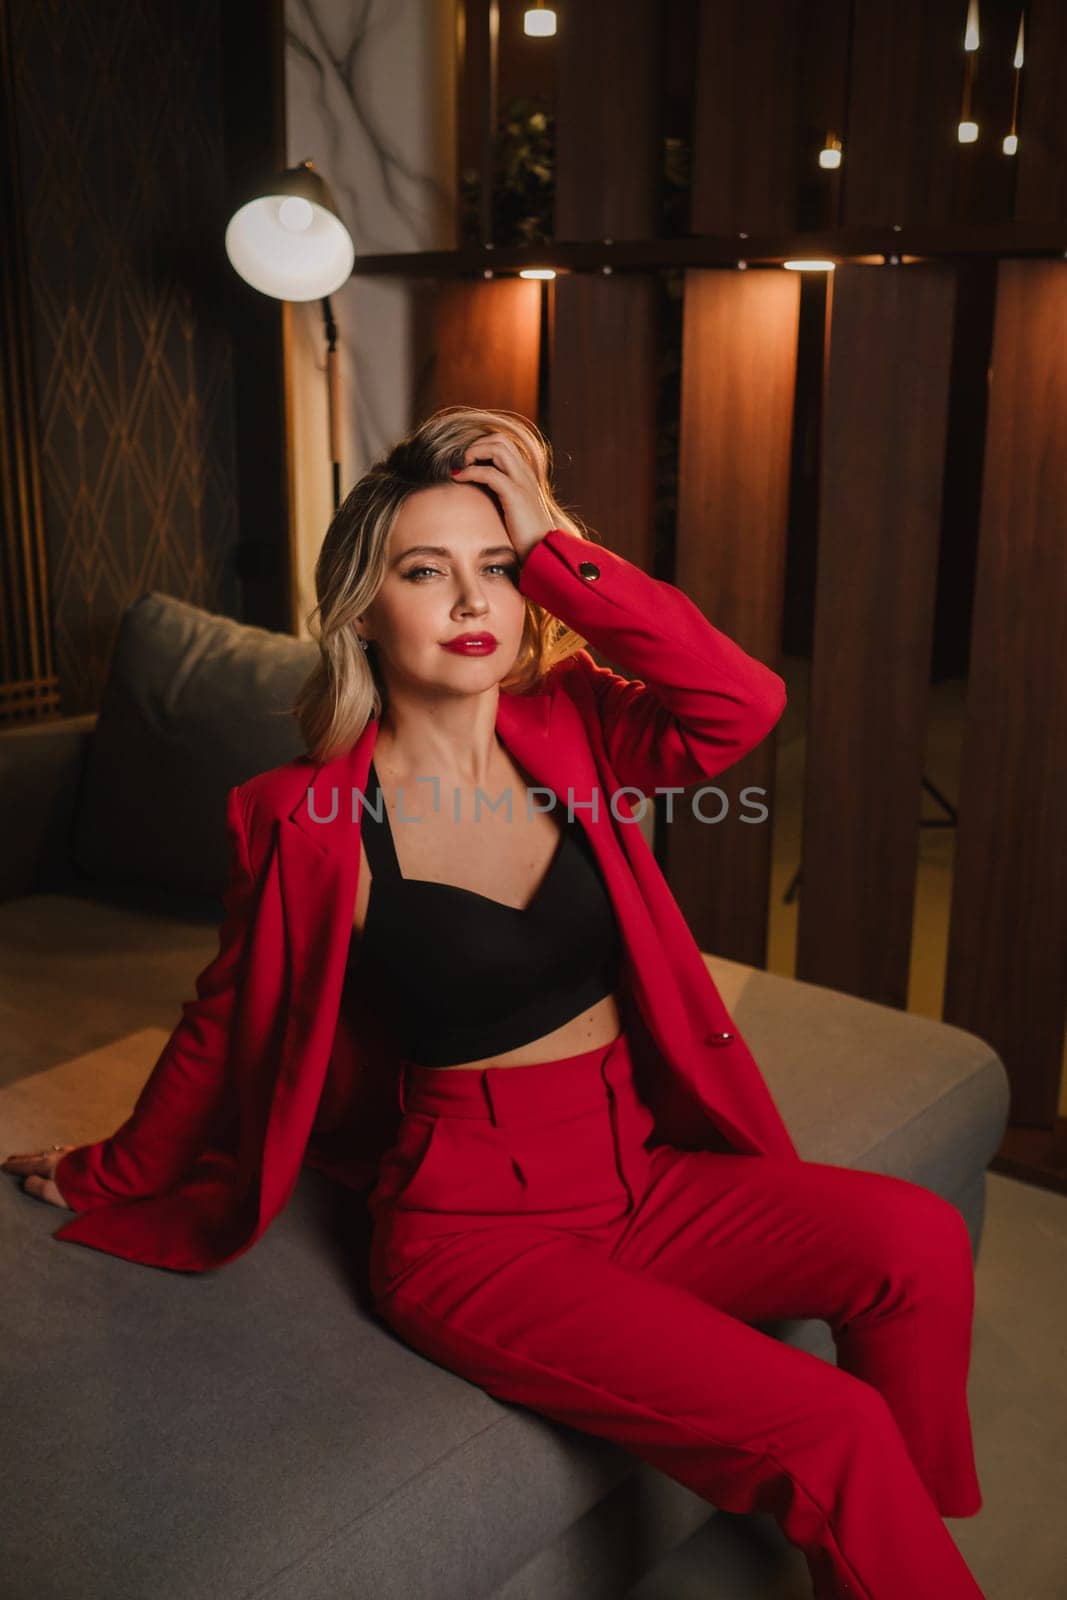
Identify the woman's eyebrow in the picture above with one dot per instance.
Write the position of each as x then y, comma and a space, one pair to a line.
442, 550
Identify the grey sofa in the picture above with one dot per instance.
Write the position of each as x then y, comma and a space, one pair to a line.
256, 1431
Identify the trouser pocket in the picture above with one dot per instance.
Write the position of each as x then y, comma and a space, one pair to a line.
450, 1166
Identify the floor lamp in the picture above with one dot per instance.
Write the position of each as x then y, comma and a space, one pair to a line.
289, 242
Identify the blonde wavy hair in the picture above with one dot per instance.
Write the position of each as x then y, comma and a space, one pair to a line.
345, 689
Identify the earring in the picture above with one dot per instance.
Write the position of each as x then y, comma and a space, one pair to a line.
364, 644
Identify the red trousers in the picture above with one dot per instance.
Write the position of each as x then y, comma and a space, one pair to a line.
528, 1238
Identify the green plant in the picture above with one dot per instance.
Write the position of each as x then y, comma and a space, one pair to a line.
524, 170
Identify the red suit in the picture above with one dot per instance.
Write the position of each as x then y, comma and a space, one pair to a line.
592, 1237
265, 1070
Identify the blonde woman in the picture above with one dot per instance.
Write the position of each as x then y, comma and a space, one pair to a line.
451, 971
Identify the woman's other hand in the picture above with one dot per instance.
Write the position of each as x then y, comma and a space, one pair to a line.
37, 1172
496, 461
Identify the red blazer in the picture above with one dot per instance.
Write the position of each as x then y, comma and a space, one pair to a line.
272, 1067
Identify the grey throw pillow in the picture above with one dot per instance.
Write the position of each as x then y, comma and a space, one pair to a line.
194, 703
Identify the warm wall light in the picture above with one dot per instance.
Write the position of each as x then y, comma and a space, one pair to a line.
830, 154
967, 131
1011, 138
809, 266
537, 272
539, 23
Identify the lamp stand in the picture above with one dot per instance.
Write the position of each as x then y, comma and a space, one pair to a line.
333, 393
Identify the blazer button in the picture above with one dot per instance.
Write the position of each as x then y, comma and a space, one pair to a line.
589, 570
719, 1038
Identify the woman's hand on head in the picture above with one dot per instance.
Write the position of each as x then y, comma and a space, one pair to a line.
497, 461
37, 1172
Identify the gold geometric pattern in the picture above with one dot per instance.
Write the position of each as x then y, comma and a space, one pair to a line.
120, 140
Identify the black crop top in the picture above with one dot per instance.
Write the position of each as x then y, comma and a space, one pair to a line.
465, 976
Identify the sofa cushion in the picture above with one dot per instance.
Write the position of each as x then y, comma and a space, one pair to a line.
861, 1084
194, 703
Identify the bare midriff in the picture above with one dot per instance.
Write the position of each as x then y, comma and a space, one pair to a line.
503, 859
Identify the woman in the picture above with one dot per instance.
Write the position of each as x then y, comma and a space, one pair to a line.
551, 1218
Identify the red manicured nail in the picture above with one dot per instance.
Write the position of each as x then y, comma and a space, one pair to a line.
456, 471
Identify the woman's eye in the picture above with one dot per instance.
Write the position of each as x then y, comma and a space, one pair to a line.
507, 567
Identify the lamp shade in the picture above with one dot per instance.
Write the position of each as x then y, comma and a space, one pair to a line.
288, 240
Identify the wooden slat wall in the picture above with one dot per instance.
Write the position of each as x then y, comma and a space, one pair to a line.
884, 427
771, 81
477, 344
602, 406
1041, 183
984, 186
475, 109
1007, 957
745, 117
764, 94
738, 378
608, 118
822, 107
904, 98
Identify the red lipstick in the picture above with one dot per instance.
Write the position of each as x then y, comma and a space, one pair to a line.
471, 644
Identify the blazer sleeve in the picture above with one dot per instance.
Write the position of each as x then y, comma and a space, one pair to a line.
186, 1097
695, 703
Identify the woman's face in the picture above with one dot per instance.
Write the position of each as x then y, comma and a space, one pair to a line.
468, 583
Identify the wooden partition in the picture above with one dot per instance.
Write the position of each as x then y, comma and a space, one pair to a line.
1007, 960
602, 408
738, 377
1041, 181
902, 157
608, 120
745, 116
477, 344
603, 327
742, 96
884, 425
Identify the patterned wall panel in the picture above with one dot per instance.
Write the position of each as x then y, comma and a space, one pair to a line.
120, 140
28, 687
